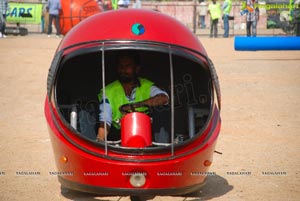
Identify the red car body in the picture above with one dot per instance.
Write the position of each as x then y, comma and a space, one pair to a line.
76, 73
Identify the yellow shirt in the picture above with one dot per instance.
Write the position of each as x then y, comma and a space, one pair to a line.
215, 10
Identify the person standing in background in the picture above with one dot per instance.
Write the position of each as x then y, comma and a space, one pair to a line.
123, 3
137, 4
100, 4
46, 18
214, 10
252, 17
294, 11
114, 4
44, 25
105, 5
226, 11
3, 9
202, 12
54, 8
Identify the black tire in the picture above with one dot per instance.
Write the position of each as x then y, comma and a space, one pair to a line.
23, 31
135, 198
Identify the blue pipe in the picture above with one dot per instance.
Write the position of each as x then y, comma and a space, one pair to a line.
243, 43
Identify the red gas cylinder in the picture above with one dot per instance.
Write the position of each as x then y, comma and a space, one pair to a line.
136, 130
74, 11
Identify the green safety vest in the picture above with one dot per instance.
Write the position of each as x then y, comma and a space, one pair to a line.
114, 4
116, 97
228, 8
215, 10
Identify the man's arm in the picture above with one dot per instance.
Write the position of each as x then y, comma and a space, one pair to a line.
104, 117
208, 9
160, 99
101, 132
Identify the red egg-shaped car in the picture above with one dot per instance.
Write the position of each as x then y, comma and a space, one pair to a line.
138, 163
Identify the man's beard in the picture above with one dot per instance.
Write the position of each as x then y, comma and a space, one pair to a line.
125, 79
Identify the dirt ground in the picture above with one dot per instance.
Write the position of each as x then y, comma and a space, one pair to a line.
259, 139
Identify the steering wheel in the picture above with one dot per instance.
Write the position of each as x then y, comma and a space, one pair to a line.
131, 107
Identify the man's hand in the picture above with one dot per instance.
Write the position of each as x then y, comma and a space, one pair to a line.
130, 107
160, 99
127, 108
101, 132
